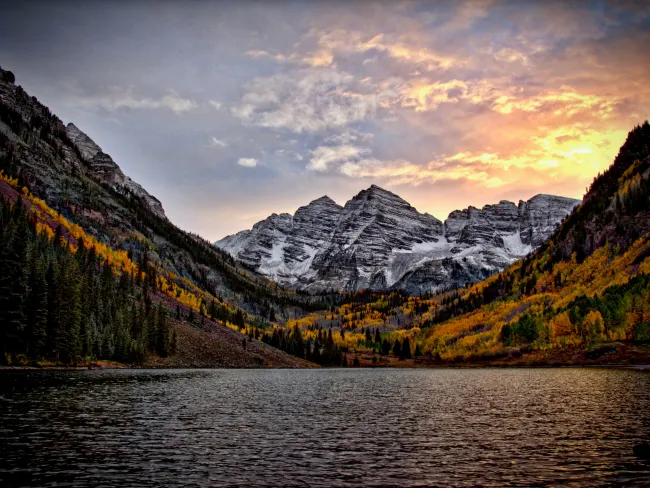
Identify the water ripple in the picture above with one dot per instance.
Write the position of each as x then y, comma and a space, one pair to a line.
541, 427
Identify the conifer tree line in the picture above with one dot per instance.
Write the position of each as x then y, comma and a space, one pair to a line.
65, 306
321, 350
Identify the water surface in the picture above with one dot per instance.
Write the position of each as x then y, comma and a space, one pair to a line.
358, 427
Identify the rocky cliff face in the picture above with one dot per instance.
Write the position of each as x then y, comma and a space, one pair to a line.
377, 240
105, 169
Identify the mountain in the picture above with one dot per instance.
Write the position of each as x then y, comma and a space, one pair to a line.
582, 297
91, 269
103, 168
379, 241
61, 194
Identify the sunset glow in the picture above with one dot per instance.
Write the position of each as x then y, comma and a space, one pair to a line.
248, 107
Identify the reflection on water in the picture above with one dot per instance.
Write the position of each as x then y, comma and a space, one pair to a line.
324, 427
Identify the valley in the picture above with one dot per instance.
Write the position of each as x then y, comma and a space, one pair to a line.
374, 283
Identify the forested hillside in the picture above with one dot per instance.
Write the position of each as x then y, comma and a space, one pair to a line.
118, 231
67, 299
65, 304
585, 292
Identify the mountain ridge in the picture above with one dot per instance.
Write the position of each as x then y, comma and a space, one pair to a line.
107, 170
378, 240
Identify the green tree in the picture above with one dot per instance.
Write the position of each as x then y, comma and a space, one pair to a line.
397, 349
12, 320
68, 347
36, 307
385, 347
406, 349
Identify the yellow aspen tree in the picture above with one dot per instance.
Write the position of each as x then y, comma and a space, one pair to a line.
594, 325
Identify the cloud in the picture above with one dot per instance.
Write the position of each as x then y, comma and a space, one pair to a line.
308, 100
345, 41
400, 172
566, 102
172, 102
322, 57
422, 95
349, 136
247, 162
257, 53
123, 99
468, 13
318, 58
511, 55
214, 142
215, 104
571, 153
406, 53
323, 157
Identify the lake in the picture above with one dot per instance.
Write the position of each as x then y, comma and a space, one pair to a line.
330, 427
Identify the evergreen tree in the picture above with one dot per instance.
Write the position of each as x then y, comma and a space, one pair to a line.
406, 349
397, 348
298, 342
67, 339
162, 332
36, 307
12, 320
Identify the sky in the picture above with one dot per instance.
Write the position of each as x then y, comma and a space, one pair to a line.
230, 111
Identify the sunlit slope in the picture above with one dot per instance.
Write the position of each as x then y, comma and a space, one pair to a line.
67, 299
588, 284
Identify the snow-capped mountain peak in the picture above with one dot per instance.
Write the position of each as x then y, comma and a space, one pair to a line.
378, 240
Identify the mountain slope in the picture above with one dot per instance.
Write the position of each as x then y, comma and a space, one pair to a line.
80, 187
103, 168
587, 285
379, 241
66, 299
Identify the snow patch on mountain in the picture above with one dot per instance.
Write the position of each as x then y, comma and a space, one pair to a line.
514, 245
271, 264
